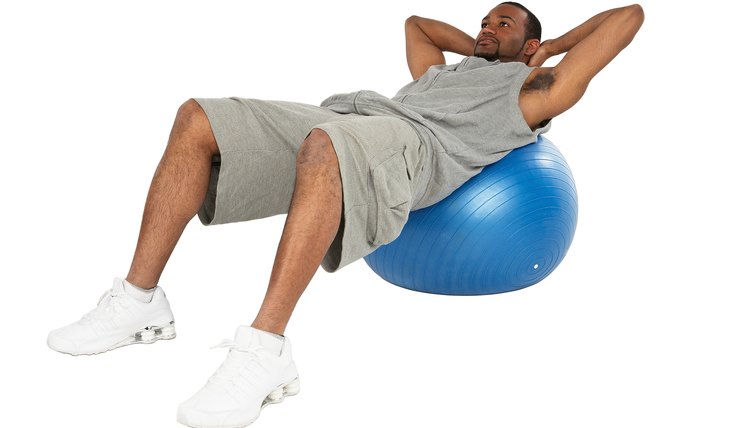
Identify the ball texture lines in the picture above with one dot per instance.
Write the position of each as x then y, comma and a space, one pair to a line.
505, 229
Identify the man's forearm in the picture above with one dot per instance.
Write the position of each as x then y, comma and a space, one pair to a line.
568, 40
443, 36
427, 39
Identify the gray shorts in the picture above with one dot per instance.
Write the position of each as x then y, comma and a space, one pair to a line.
380, 158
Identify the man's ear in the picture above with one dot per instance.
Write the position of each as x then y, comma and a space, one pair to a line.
531, 47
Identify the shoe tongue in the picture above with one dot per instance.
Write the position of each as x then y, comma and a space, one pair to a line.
118, 286
248, 337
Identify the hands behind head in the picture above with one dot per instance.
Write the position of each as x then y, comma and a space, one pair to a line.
542, 54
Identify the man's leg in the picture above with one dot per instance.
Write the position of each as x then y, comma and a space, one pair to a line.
259, 368
126, 315
177, 192
311, 226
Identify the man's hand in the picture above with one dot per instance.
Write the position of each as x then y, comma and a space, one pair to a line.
542, 54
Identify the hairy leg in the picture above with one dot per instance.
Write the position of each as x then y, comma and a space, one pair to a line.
311, 225
177, 192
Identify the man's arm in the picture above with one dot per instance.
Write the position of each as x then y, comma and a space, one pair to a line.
590, 47
427, 39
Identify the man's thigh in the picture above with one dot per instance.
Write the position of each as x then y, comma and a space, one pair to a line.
253, 176
381, 160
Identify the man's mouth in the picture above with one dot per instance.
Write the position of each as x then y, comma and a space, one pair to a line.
486, 40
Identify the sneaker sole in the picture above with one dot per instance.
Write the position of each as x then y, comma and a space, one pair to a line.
148, 335
151, 334
144, 336
276, 396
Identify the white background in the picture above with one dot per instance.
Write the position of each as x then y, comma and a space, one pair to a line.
645, 323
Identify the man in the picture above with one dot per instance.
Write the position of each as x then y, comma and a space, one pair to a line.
347, 173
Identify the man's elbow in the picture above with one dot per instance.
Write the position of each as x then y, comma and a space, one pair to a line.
628, 20
636, 12
414, 30
412, 21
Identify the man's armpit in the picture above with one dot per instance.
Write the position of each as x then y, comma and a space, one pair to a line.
541, 81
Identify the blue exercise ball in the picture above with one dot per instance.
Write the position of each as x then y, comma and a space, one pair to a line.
505, 229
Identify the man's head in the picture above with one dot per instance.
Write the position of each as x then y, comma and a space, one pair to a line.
510, 32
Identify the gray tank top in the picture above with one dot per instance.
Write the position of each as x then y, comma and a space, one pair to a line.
466, 114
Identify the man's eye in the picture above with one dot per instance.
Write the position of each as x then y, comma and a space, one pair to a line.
484, 24
504, 24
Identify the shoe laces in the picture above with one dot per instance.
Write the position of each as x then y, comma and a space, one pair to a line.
241, 369
110, 303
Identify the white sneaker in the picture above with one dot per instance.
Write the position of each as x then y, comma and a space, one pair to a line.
258, 371
118, 320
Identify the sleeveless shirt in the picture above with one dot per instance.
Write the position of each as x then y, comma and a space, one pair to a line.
466, 115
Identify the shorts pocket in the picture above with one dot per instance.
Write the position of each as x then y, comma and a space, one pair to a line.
391, 182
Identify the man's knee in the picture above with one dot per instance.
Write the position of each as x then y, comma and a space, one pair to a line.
317, 150
191, 122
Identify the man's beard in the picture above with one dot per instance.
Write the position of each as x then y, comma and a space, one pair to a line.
495, 55
489, 56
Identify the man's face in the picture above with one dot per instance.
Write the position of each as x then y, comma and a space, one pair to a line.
502, 35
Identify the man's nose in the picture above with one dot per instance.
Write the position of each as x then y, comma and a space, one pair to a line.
488, 30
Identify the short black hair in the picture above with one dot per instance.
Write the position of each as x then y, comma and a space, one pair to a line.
533, 26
